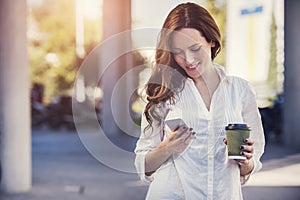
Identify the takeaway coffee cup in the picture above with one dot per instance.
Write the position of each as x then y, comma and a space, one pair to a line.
235, 135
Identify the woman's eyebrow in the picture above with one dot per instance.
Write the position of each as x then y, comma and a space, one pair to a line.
195, 45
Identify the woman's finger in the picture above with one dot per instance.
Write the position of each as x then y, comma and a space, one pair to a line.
247, 155
249, 142
181, 131
247, 148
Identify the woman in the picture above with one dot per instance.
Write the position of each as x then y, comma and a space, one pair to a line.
191, 162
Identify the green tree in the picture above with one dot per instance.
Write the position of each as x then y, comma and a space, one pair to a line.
272, 75
219, 14
52, 50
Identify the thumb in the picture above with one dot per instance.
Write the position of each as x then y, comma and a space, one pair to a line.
172, 135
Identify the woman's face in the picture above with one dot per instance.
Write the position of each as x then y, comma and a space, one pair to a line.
191, 51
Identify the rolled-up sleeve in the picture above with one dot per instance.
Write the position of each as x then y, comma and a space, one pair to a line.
149, 139
252, 117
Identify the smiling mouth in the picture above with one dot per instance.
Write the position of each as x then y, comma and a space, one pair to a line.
193, 66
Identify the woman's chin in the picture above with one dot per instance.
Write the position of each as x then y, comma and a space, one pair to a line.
193, 75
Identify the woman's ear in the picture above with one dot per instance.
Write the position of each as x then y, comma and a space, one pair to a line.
213, 44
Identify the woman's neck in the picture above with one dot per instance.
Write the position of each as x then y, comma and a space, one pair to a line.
210, 76
210, 79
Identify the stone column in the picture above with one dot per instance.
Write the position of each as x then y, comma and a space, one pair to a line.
291, 127
15, 134
116, 20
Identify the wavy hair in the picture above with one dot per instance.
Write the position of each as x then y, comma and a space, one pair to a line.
168, 78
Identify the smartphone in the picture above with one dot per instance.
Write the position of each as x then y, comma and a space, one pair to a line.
174, 124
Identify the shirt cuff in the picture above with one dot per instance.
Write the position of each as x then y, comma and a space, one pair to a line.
140, 166
257, 165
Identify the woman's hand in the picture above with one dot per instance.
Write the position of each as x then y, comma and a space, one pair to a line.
247, 150
176, 142
179, 140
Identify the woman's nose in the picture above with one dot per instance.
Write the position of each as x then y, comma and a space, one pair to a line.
189, 58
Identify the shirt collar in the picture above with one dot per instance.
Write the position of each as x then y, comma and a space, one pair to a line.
221, 72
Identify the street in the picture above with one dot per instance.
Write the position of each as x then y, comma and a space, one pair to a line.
64, 169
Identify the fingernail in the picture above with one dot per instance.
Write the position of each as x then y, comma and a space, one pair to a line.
242, 153
191, 129
184, 127
194, 133
242, 147
245, 140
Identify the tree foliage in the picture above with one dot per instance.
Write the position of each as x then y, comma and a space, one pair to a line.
219, 14
272, 75
51, 47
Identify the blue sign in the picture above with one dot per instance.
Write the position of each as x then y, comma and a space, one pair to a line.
249, 11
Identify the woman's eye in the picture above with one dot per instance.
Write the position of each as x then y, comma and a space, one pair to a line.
177, 52
196, 48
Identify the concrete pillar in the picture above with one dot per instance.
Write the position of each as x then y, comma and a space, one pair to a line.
116, 20
15, 134
291, 135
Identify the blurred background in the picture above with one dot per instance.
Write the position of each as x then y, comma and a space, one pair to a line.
62, 34
53, 59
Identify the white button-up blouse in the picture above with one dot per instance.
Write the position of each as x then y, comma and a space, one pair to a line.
203, 170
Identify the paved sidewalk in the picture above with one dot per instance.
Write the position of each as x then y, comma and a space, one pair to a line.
279, 178
63, 169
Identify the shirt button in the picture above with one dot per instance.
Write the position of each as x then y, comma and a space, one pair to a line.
210, 158
210, 179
